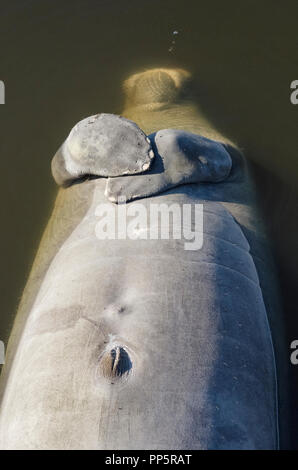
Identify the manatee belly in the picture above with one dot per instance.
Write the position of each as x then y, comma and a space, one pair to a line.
141, 344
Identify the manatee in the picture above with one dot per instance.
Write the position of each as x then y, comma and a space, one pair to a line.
180, 158
138, 342
102, 145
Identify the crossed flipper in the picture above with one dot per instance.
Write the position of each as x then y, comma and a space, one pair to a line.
180, 158
138, 166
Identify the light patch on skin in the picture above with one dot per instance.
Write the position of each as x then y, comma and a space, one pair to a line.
146, 166
58, 319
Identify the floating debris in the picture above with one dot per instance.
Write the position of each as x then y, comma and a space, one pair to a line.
173, 42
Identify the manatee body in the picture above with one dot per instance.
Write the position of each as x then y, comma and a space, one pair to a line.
180, 158
141, 343
102, 145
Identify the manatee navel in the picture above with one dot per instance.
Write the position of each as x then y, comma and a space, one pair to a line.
102, 145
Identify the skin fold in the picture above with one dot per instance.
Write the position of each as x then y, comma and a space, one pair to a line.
140, 343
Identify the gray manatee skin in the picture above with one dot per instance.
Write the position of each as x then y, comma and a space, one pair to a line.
141, 344
102, 145
192, 322
180, 158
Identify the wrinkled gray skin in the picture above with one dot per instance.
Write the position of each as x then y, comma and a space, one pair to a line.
102, 145
180, 158
141, 344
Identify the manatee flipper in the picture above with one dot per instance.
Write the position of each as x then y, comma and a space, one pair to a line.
180, 158
102, 145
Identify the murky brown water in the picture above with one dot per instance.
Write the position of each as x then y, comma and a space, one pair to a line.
62, 61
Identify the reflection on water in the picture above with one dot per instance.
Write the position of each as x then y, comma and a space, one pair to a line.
63, 61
